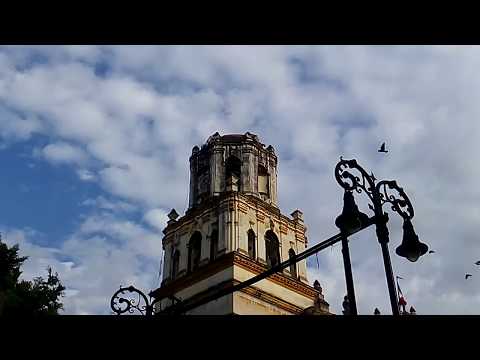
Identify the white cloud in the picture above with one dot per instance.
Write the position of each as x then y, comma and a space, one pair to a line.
16, 127
105, 204
62, 152
157, 218
86, 175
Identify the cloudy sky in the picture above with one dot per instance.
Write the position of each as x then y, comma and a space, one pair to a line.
95, 140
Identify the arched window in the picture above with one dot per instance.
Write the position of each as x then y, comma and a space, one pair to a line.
175, 264
194, 251
251, 244
272, 248
233, 168
213, 244
293, 267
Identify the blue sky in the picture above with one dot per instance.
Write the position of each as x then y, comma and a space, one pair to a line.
95, 140
41, 195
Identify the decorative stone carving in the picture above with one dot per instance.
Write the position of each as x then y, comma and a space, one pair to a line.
297, 216
272, 225
173, 215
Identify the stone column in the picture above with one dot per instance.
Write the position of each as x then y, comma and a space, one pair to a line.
205, 248
230, 220
183, 247
167, 259
272, 179
234, 214
217, 172
193, 182
244, 226
222, 229
300, 230
261, 251
255, 172
248, 170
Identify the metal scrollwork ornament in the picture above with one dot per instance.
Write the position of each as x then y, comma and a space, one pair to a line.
400, 204
379, 194
351, 182
125, 301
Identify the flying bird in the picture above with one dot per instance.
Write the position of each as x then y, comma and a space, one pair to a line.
382, 148
431, 252
467, 276
477, 263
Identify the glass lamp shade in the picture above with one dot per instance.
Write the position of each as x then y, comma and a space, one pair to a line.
351, 219
411, 248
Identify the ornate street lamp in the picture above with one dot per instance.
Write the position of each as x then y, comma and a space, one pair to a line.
379, 194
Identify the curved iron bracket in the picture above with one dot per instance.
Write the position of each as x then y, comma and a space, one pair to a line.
122, 303
379, 194
401, 204
362, 182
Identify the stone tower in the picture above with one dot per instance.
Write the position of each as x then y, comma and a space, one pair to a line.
234, 230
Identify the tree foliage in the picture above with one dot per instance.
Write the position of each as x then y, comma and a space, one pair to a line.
26, 298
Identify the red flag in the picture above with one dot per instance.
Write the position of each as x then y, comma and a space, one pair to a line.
401, 301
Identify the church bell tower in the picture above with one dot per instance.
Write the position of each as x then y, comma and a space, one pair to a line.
234, 230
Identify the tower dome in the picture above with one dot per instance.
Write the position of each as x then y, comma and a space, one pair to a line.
233, 162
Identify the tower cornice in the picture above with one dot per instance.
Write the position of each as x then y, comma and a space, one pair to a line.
235, 259
227, 200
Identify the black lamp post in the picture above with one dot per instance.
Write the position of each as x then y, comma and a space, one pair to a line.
351, 218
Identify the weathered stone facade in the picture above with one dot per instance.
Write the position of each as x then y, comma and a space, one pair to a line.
210, 170
234, 230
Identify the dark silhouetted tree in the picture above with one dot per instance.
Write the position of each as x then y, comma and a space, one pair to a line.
26, 298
